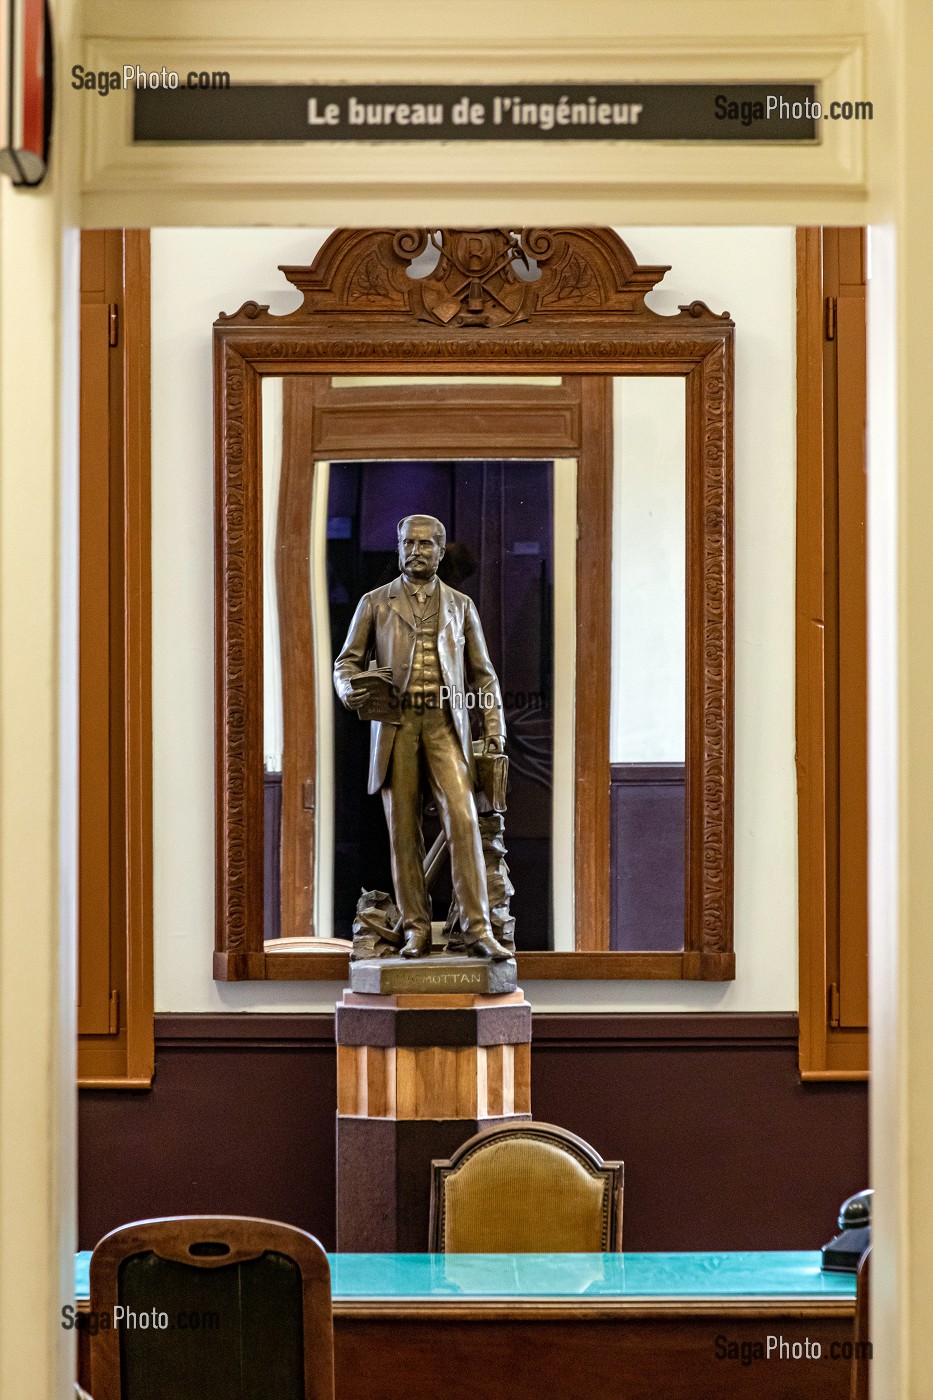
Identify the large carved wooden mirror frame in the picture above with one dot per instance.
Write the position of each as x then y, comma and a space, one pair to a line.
542, 302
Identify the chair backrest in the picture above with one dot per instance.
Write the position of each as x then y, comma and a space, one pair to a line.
861, 1357
526, 1188
197, 1306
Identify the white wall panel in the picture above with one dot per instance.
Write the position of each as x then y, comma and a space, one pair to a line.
749, 272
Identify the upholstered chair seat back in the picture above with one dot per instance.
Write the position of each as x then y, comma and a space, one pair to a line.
526, 1188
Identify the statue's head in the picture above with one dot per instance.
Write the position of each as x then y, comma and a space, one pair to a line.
422, 541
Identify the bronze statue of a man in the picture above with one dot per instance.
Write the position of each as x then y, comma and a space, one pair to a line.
427, 642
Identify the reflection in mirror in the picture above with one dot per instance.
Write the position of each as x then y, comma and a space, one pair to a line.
297, 846
271, 656
648, 720
512, 548
504, 551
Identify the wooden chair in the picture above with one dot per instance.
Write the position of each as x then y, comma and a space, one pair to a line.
861, 1364
233, 1307
526, 1188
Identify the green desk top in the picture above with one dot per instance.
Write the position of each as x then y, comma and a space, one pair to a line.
436, 1277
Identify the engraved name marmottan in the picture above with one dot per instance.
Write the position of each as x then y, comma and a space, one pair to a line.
445, 978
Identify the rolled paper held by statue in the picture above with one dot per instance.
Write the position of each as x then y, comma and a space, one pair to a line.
434, 859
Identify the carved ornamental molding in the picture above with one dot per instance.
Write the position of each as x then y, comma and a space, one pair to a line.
484, 279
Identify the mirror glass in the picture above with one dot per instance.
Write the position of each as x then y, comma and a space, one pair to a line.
511, 547
500, 551
649, 682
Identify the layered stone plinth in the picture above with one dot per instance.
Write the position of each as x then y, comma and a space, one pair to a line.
418, 1074
441, 973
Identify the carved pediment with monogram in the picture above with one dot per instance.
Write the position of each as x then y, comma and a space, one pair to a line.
479, 278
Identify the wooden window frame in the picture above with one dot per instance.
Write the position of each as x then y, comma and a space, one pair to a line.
115, 646
586, 317
832, 653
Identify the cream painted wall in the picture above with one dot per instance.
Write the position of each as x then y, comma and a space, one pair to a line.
196, 274
647, 712
271, 457
37, 788
38, 768
621, 41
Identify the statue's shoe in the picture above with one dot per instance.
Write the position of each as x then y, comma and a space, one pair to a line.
417, 945
487, 947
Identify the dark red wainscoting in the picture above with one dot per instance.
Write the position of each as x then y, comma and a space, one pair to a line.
724, 1148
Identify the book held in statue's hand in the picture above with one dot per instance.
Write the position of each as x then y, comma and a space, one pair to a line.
381, 695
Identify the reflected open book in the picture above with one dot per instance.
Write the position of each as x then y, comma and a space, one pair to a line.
381, 695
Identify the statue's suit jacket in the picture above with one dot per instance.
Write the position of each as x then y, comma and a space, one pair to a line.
383, 627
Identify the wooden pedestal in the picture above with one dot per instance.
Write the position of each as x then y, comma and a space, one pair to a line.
418, 1074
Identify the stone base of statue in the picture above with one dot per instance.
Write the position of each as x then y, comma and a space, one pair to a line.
438, 973
419, 1072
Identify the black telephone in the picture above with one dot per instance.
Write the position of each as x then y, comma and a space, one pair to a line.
844, 1251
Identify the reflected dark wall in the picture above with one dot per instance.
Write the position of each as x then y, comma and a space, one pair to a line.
646, 858
500, 530
272, 855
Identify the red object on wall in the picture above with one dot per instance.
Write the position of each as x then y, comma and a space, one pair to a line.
25, 90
